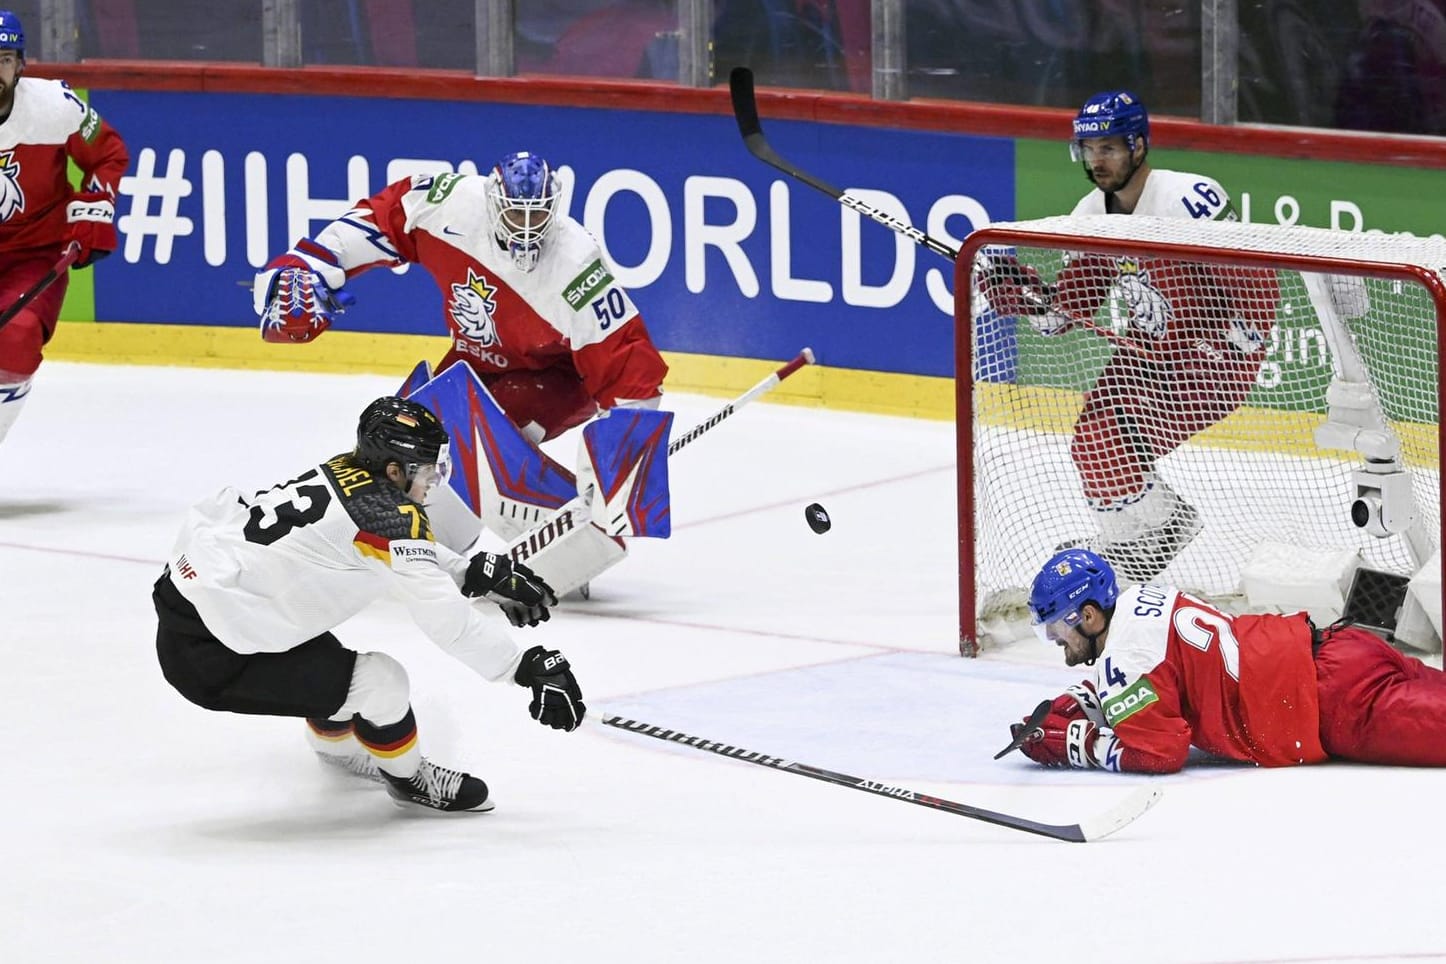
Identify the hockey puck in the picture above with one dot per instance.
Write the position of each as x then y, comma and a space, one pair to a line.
817, 518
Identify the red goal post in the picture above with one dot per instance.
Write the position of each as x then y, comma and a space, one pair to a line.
1273, 453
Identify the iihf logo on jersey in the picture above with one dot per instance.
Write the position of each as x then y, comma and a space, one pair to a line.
12, 199
473, 305
1149, 310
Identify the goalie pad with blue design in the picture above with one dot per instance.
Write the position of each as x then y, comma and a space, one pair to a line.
501, 476
623, 460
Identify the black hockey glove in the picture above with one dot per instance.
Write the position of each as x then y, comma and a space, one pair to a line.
521, 593
556, 698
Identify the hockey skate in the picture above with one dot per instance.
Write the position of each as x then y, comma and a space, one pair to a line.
1142, 554
438, 788
340, 749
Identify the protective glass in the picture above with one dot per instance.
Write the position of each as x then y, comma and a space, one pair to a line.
427, 476
1103, 149
1056, 631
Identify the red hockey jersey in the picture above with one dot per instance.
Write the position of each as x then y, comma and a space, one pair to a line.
569, 311
1176, 671
48, 126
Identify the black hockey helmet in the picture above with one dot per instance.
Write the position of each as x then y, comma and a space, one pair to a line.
400, 430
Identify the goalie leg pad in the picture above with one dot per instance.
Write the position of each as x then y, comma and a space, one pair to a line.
499, 474
623, 461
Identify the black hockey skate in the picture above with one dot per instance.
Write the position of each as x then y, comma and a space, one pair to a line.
438, 788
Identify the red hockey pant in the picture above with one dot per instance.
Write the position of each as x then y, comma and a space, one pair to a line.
552, 398
24, 336
1140, 410
1378, 705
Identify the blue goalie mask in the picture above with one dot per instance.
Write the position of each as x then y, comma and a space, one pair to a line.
1114, 113
1066, 582
522, 193
12, 34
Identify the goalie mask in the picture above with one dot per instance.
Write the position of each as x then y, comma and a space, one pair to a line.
1061, 588
399, 430
522, 193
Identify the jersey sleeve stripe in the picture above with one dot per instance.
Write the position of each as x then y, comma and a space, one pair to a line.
373, 545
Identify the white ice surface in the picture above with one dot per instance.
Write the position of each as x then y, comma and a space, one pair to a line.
139, 828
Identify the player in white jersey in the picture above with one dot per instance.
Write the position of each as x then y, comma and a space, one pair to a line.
1197, 331
255, 584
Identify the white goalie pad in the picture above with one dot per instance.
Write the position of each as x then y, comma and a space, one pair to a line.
568, 550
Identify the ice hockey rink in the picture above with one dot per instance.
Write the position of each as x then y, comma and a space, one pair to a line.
140, 828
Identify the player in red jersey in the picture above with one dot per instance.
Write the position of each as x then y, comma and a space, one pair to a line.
1172, 671
43, 126
528, 299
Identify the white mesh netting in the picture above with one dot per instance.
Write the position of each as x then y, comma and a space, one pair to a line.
1172, 423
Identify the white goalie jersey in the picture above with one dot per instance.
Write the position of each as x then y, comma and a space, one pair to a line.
270, 571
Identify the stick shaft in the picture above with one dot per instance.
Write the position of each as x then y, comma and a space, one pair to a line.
1072, 833
72, 252
745, 111
767, 385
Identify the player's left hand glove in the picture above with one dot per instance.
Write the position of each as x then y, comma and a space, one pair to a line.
556, 698
90, 223
522, 594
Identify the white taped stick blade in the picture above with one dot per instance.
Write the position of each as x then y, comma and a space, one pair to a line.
568, 551
1122, 814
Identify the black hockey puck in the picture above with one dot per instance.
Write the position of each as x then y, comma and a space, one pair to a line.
817, 518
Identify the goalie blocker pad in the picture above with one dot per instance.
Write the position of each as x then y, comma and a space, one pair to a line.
623, 462
501, 476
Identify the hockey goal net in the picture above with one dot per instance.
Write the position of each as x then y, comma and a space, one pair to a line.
1247, 372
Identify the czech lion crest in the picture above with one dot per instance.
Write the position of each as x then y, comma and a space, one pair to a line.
472, 306
12, 199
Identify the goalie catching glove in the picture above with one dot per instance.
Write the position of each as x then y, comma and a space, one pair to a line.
1014, 288
296, 305
521, 593
556, 698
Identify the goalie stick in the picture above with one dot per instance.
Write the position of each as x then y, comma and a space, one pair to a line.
1094, 828
745, 111
72, 251
568, 548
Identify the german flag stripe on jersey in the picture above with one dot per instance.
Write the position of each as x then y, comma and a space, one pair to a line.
371, 544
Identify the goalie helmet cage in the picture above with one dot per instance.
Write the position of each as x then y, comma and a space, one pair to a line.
1255, 474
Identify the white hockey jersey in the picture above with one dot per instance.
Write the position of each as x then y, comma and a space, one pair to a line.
1171, 194
271, 571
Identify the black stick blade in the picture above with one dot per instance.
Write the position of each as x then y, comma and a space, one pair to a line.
1027, 732
745, 107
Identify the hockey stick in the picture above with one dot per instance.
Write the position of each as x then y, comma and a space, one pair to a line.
745, 111
1094, 828
1033, 729
68, 258
768, 384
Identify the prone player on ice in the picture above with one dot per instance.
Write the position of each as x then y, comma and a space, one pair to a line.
544, 339
1172, 671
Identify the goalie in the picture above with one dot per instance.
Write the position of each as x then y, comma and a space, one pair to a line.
543, 339
1198, 333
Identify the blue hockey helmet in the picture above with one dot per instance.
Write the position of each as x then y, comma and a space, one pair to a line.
522, 193
1114, 113
1067, 581
12, 34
